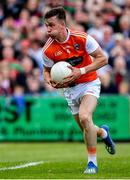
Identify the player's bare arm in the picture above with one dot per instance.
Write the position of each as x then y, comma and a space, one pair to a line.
99, 61
46, 75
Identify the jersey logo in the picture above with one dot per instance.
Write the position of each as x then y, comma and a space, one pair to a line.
75, 60
76, 46
58, 53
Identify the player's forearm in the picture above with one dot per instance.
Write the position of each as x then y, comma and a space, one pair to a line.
96, 64
46, 75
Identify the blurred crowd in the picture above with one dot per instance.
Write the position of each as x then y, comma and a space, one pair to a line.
23, 34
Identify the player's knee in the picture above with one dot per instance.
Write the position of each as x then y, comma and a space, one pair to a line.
85, 119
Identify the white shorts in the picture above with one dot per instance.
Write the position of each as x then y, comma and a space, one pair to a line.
75, 94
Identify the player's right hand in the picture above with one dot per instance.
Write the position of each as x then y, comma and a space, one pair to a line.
59, 85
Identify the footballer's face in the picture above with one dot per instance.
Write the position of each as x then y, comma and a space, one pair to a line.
54, 26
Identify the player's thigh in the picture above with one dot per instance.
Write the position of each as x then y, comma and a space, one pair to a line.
88, 105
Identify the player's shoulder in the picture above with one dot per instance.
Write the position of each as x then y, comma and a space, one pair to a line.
79, 34
48, 44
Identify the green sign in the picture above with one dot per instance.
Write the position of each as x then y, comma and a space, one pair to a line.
114, 111
48, 118
41, 119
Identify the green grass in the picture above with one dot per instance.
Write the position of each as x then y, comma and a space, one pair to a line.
62, 161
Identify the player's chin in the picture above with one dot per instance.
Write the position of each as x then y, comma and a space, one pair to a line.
51, 35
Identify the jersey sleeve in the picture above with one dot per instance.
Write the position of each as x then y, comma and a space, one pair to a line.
91, 44
46, 61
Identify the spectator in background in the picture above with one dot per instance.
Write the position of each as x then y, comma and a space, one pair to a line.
34, 22
24, 52
22, 29
35, 52
21, 23
94, 6
7, 27
12, 8
5, 82
32, 7
55, 3
1, 15
7, 42
81, 14
34, 86
126, 10
126, 46
24, 48
124, 88
39, 34
36, 74
120, 72
116, 52
107, 42
8, 54
18, 99
107, 86
72, 24
118, 49
27, 66
119, 39
124, 24
119, 3
97, 28
111, 13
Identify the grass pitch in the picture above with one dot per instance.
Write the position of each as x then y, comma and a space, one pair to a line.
61, 161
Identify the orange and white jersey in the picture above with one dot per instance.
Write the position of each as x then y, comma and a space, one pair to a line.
75, 50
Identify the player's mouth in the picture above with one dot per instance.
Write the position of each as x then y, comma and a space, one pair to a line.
49, 34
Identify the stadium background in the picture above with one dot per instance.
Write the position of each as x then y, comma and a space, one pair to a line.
33, 111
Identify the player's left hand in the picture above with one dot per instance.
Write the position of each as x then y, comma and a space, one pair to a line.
73, 76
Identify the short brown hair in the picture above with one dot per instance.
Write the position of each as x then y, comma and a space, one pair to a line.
59, 12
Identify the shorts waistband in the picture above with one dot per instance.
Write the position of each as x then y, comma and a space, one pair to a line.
75, 84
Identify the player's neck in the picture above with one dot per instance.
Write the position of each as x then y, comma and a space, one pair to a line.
62, 35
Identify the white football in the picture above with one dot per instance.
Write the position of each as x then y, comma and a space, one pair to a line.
59, 71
